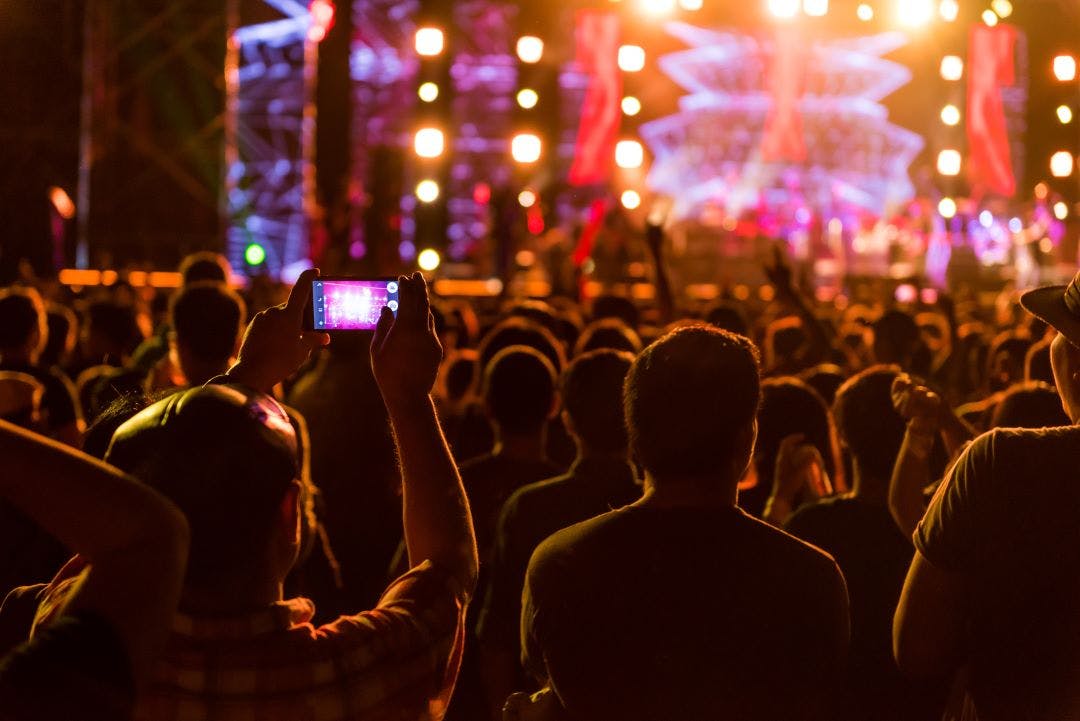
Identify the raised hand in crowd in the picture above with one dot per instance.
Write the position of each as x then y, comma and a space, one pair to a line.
275, 344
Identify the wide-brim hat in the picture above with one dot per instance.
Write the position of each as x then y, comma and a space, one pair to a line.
1059, 306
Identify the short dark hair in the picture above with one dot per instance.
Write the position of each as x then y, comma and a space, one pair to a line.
1030, 405
226, 458
592, 397
521, 331
116, 323
868, 423
21, 313
205, 265
616, 306
611, 333
687, 398
519, 389
790, 406
207, 317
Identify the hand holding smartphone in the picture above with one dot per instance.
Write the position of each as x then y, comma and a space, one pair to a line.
349, 304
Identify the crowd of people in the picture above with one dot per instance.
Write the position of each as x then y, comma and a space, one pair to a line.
538, 509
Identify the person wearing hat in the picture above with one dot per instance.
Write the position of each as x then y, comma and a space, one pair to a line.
994, 586
226, 455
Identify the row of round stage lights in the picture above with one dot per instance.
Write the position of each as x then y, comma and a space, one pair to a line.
909, 13
429, 142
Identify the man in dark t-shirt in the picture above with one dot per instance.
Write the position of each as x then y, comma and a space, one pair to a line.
600, 480
995, 584
857, 530
681, 606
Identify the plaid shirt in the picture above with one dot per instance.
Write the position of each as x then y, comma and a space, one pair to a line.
396, 662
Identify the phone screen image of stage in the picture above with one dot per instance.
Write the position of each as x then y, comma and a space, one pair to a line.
351, 304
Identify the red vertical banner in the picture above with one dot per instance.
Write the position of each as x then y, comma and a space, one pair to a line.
597, 41
990, 67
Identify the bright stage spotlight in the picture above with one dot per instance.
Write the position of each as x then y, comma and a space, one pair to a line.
629, 154
630, 199
1065, 68
631, 58
783, 8
530, 49
949, 10
914, 13
658, 7
952, 67
1061, 211
429, 42
1003, 8
631, 106
427, 191
526, 199
986, 219
947, 208
1064, 114
816, 8
525, 148
428, 259
864, 12
428, 92
691, 5
1061, 164
950, 115
990, 18
527, 98
948, 162
429, 142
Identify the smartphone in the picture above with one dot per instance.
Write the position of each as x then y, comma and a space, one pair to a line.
345, 304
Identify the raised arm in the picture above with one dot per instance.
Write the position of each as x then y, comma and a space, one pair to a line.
654, 239
924, 411
405, 355
780, 276
135, 541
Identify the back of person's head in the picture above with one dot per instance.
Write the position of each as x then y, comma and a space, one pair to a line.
1030, 405
204, 266
616, 306
896, 337
538, 312
1005, 360
63, 331
111, 329
208, 319
227, 459
728, 316
22, 320
592, 391
690, 399
789, 406
609, 333
457, 375
826, 379
519, 390
867, 422
784, 340
521, 331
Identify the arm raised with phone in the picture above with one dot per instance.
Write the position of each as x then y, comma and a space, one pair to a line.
405, 357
